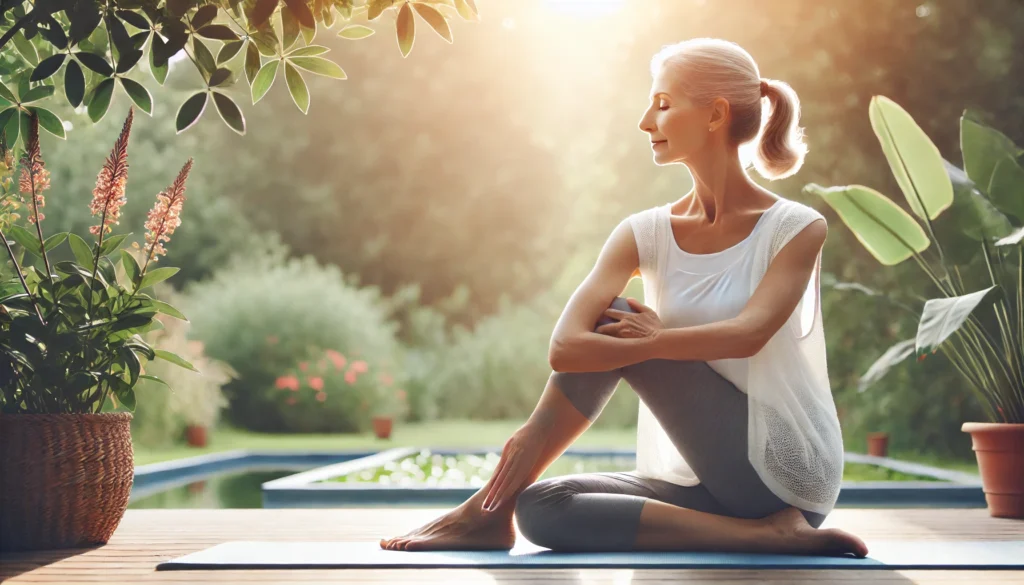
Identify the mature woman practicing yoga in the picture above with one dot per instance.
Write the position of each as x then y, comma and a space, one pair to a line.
738, 442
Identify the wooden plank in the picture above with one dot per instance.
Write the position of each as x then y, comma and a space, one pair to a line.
148, 537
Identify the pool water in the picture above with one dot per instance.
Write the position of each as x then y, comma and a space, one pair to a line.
239, 489
433, 469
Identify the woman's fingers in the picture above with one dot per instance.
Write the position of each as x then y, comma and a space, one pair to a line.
499, 472
509, 484
501, 482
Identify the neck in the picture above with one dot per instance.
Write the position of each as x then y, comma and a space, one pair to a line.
720, 185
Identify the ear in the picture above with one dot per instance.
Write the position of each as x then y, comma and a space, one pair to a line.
719, 113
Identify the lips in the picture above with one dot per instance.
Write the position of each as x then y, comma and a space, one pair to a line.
657, 142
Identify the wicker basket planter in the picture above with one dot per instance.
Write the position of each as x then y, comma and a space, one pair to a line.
64, 479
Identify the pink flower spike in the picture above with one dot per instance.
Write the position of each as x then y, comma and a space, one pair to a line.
281, 383
350, 377
316, 383
359, 366
108, 196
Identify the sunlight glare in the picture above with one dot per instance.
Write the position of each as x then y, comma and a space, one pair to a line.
586, 7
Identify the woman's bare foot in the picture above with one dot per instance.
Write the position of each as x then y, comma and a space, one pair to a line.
467, 527
792, 534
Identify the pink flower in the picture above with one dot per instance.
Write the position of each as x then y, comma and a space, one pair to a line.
359, 366
316, 383
291, 401
304, 366
108, 195
320, 396
350, 376
165, 216
336, 358
34, 177
287, 382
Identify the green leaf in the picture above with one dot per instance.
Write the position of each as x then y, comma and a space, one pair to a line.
100, 101
308, 34
218, 32
48, 67
266, 41
435, 19
204, 58
942, 317
252, 62
153, 379
376, 7
131, 267
138, 93
111, 243
1006, 189
297, 87
264, 79
290, 29
221, 77
308, 51
26, 239
159, 275
122, 391
983, 148
355, 32
971, 219
175, 359
467, 9
892, 356
190, 111
49, 121
82, 251
6, 94
168, 310
300, 10
131, 321
26, 48
133, 363
159, 71
5, 118
319, 65
37, 93
13, 126
229, 112
95, 62
228, 51
405, 29
877, 222
74, 83
914, 159
204, 16
55, 240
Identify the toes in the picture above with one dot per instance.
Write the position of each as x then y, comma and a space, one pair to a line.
383, 543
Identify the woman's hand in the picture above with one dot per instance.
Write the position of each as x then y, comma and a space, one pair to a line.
643, 324
518, 458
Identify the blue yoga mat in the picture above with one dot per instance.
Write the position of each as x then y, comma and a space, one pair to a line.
890, 555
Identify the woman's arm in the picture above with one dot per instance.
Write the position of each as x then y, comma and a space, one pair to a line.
773, 301
574, 345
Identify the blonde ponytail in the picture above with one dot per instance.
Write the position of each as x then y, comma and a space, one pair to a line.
781, 150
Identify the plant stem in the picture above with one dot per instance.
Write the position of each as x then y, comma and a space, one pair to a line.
21, 277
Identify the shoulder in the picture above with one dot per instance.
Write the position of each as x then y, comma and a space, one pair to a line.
798, 221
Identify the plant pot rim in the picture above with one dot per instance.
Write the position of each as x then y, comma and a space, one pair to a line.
878, 434
990, 427
85, 415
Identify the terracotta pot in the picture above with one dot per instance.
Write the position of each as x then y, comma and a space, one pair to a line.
382, 426
64, 479
878, 444
999, 448
195, 435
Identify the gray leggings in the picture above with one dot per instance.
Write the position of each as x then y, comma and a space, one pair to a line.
703, 414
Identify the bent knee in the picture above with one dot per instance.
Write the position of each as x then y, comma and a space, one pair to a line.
540, 509
619, 303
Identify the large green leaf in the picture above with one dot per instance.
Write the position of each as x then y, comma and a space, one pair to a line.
190, 111
264, 80
138, 93
159, 275
49, 121
983, 147
319, 65
971, 219
252, 62
942, 317
1006, 189
100, 101
914, 159
229, 112
26, 239
168, 310
55, 240
175, 359
131, 267
884, 228
83, 253
74, 83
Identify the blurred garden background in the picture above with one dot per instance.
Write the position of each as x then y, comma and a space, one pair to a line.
406, 246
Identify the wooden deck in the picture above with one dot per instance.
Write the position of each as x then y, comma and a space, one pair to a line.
148, 537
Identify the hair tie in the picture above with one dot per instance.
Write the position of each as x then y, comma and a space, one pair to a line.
764, 87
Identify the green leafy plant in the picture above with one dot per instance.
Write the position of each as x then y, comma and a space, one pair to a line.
955, 216
87, 43
71, 330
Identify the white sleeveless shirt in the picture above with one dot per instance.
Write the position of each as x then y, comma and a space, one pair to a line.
794, 439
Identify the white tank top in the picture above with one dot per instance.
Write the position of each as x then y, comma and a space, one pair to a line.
793, 431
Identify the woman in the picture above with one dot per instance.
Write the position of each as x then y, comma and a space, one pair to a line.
738, 443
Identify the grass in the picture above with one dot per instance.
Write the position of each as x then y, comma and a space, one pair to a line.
436, 434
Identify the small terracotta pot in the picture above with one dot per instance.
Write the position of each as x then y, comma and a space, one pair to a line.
195, 435
999, 448
382, 426
878, 444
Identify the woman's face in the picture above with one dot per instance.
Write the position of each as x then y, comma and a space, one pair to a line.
676, 127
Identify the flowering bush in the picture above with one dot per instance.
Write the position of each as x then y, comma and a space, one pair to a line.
332, 393
71, 330
263, 315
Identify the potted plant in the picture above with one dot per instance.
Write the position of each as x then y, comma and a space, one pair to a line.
71, 344
878, 444
964, 233
392, 406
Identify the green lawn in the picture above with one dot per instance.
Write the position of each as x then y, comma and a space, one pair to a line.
437, 434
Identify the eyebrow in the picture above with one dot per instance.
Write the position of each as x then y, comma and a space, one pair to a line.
664, 93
